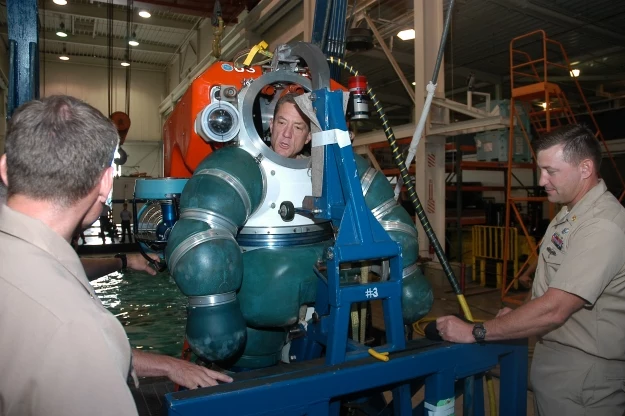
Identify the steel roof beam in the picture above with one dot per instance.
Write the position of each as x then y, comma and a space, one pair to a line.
557, 16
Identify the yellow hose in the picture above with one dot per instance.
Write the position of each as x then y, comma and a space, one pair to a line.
491, 394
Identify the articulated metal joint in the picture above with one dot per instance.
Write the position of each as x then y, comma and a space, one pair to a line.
212, 300
409, 270
235, 183
195, 240
367, 180
384, 208
211, 218
399, 226
249, 237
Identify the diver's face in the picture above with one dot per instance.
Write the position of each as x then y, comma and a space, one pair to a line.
289, 131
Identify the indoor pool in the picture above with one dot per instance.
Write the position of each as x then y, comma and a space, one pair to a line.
151, 309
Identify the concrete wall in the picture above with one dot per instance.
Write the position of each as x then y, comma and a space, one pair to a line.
90, 83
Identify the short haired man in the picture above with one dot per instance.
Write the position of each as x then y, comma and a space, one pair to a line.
63, 353
290, 127
577, 308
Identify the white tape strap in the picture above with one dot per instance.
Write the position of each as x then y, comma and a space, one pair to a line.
447, 409
326, 137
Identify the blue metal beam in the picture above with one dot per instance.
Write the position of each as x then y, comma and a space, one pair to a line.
23, 52
312, 387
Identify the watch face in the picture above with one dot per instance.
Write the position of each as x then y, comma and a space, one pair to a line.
479, 333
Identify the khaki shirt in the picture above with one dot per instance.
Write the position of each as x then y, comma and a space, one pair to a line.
583, 253
61, 351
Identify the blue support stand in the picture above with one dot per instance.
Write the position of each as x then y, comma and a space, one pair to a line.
23, 53
360, 238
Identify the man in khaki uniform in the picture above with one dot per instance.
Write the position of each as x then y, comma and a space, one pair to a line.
61, 351
578, 297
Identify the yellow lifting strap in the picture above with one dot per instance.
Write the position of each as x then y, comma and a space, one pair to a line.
259, 48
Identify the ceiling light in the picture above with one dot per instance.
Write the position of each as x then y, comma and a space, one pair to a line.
575, 72
125, 63
406, 34
60, 2
145, 14
543, 105
133, 40
61, 32
414, 83
64, 56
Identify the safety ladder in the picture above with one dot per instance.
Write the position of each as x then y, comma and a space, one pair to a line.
533, 59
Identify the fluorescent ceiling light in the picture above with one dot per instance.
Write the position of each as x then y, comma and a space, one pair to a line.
575, 72
145, 14
406, 34
60, 2
125, 63
61, 32
133, 40
64, 56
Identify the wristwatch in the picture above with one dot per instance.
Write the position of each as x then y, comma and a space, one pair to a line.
479, 332
124, 260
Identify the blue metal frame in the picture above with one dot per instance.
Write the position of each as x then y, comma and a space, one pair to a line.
360, 238
23, 53
313, 388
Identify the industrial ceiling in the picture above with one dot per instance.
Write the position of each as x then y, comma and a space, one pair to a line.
592, 33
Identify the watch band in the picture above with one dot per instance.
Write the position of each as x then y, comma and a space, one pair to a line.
124, 260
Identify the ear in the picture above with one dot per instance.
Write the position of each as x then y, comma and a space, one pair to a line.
3, 170
106, 184
271, 125
308, 138
586, 168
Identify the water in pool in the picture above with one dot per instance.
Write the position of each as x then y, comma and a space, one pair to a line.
151, 309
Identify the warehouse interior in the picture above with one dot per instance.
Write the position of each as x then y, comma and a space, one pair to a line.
474, 171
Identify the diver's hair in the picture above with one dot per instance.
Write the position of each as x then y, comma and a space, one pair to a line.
578, 143
290, 98
57, 149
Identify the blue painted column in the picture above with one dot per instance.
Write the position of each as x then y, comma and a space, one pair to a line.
329, 30
513, 381
23, 52
440, 395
